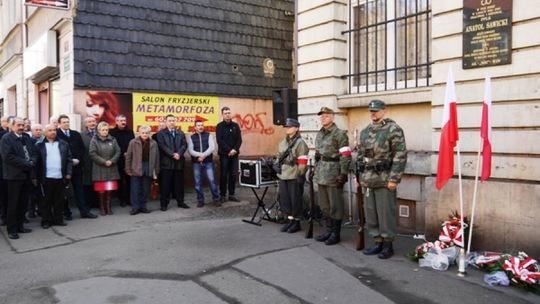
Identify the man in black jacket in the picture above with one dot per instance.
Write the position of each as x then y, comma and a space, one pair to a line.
76, 146
229, 138
19, 158
172, 146
3, 188
54, 167
123, 135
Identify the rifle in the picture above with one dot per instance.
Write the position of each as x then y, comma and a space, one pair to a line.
309, 231
361, 220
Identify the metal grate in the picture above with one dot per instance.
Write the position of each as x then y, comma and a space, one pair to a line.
389, 45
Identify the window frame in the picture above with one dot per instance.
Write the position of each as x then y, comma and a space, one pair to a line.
359, 77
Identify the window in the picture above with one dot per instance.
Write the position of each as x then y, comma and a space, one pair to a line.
389, 45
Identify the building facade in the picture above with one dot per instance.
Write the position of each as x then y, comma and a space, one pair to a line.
224, 53
350, 52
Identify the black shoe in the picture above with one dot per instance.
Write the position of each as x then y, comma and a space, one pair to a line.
217, 202
59, 224
200, 204
335, 236
89, 215
134, 212
68, 217
295, 227
233, 198
376, 249
387, 251
13, 236
286, 227
24, 230
144, 210
222, 200
45, 225
333, 239
163, 208
323, 237
182, 205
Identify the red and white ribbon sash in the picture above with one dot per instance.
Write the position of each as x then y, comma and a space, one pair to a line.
524, 270
451, 232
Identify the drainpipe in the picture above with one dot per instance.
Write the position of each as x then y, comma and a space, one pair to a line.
24, 87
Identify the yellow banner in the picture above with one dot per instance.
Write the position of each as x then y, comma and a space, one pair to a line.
150, 109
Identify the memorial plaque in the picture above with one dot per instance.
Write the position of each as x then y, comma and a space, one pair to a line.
487, 33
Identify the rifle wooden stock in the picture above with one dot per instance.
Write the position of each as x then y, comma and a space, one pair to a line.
361, 219
309, 231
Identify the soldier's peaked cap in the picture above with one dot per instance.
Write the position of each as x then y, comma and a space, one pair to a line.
326, 110
291, 122
376, 105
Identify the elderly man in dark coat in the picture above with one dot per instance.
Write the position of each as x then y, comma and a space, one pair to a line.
19, 159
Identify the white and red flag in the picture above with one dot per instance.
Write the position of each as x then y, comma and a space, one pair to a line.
485, 131
449, 134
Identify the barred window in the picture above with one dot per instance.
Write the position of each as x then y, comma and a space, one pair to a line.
389, 45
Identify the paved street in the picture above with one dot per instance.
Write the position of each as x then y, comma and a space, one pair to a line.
208, 255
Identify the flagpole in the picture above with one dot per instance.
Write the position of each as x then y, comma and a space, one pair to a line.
474, 196
460, 188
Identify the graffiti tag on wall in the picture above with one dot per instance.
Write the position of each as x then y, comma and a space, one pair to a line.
253, 123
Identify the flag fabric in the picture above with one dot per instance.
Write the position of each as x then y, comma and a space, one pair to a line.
449, 134
485, 132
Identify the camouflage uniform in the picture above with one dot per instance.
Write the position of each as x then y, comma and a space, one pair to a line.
333, 156
331, 164
383, 154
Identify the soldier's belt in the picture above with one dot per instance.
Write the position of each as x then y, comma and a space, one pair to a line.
330, 159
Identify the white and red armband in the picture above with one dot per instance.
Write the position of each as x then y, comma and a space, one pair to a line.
302, 160
345, 151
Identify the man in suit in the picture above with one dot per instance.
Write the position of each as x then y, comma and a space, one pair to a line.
4, 129
86, 134
76, 146
19, 158
54, 167
123, 135
172, 146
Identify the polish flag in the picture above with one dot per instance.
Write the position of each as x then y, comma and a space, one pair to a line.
485, 131
449, 134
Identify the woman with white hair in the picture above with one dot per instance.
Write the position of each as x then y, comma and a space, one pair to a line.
142, 164
104, 152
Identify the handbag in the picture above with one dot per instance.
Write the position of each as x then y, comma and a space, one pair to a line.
154, 189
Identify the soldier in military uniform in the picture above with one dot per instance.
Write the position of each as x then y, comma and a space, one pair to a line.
382, 156
333, 157
291, 166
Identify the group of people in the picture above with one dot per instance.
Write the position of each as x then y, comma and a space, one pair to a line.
44, 168
56, 162
381, 160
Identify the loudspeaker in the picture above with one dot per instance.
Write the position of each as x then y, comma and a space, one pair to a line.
284, 105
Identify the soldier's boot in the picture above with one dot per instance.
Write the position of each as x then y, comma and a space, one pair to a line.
376, 249
323, 237
101, 198
387, 251
286, 227
108, 202
295, 227
335, 236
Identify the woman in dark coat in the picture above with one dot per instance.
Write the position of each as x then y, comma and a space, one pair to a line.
104, 152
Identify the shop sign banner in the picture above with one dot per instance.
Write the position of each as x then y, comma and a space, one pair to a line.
487, 33
151, 109
59, 4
